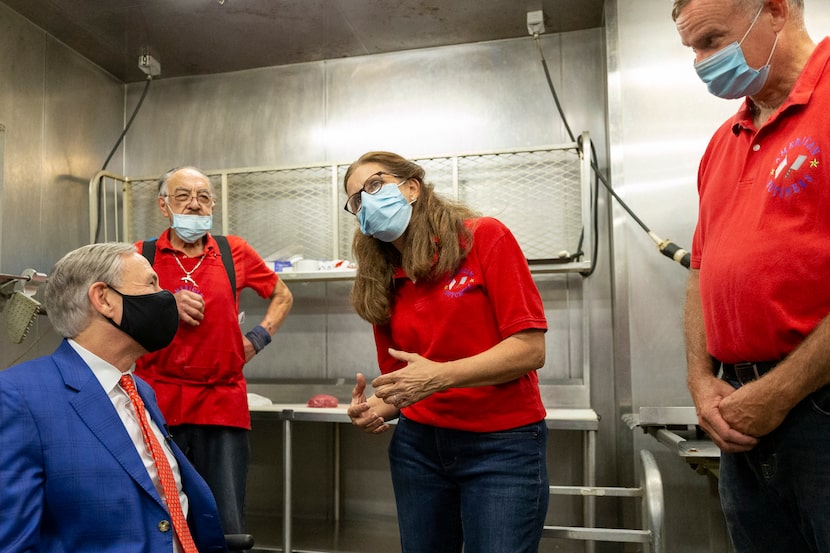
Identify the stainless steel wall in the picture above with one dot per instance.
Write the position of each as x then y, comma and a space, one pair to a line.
61, 115
456, 99
660, 120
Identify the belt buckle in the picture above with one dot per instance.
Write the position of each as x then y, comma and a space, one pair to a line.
746, 372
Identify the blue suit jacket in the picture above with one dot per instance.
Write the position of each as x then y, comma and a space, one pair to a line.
71, 480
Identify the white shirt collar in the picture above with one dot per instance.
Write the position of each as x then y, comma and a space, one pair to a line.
107, 374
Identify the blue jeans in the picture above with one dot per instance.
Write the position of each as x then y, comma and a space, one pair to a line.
487, 492
220, 454
776, 497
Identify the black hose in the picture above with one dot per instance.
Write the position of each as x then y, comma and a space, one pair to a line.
667, 248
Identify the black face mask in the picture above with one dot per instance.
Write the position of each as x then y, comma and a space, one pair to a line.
150, 319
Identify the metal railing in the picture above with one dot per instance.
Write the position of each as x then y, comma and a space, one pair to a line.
650, 492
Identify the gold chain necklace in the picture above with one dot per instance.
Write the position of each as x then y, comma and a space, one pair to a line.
187, 277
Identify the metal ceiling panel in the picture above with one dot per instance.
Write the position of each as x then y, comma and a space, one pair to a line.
198, 37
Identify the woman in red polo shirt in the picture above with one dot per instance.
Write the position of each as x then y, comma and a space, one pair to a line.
459, 328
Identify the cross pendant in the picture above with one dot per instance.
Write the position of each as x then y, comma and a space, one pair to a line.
186, 278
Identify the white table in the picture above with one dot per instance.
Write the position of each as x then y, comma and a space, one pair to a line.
584, 420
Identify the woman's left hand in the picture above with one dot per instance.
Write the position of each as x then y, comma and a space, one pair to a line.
420, 378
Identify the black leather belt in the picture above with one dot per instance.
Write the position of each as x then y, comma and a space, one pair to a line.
746, 372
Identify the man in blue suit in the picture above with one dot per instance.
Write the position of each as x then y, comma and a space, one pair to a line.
75, 473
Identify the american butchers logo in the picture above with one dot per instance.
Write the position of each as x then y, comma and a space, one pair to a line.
794, 168
462, 281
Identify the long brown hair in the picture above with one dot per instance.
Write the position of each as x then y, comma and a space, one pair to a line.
434, 244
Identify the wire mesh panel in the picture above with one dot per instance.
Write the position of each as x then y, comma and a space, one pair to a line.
346, 222
538, 194
439, 172
144, 221
288, 210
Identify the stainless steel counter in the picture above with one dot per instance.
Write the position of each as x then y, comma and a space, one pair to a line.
584, 420
676, 428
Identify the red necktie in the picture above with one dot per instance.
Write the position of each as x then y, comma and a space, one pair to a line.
168, 483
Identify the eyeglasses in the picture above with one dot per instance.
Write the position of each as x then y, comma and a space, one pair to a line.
204, 198
372, 185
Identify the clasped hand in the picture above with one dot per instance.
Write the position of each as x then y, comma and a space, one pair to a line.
412, 383
736, 418
191, 307
393, 391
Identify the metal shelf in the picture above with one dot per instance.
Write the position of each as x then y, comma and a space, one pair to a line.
347, 274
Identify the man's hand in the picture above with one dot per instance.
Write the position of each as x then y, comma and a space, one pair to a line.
191, 307
753, 409
708, 398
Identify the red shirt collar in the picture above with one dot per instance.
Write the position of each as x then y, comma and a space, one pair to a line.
801, 93
165, 245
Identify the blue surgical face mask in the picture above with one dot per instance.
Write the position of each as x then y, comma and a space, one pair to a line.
385, 214
726, 73
191, 228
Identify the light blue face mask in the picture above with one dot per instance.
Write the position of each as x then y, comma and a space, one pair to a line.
726, 73
191, 227
385, 214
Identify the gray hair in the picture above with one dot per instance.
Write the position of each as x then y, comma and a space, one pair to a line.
65, 295
162, 182
748, 5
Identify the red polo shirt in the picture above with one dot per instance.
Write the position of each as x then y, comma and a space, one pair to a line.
762, 238
489, 298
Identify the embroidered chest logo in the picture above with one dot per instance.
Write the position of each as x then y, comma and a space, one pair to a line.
460, 283
187, 286
795, 167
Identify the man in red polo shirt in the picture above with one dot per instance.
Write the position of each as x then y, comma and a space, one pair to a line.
198, 378
757, 300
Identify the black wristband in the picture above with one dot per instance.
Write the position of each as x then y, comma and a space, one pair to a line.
259, 337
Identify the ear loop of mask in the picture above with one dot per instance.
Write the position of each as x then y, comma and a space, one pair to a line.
751, 25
